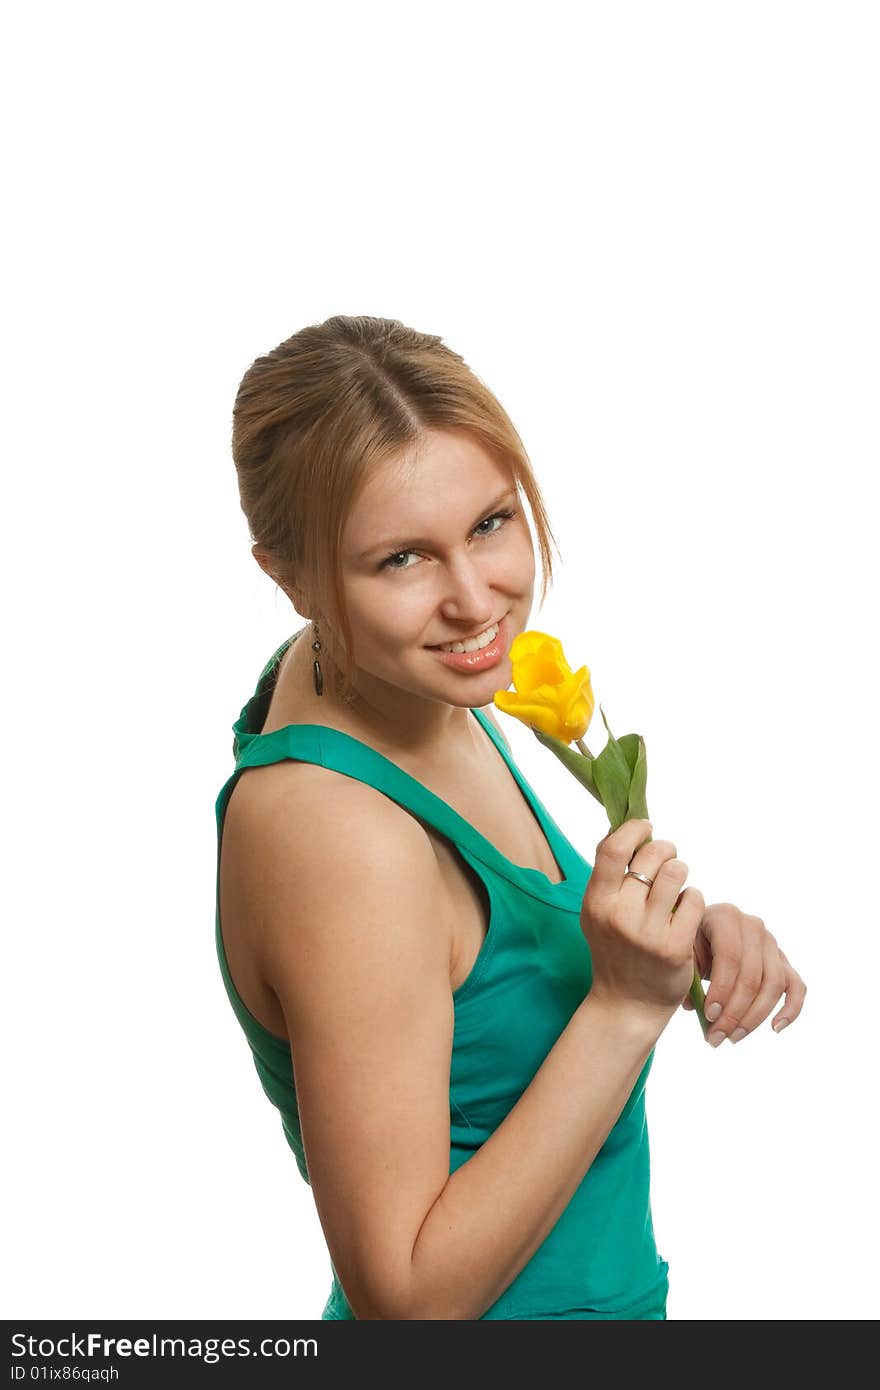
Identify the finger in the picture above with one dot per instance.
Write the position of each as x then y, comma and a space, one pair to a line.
687, 1002
717, 950
653, 896
795, 993
683, 922
749, 979
703, 955
613, 855
666, 891
725, 965
772, 987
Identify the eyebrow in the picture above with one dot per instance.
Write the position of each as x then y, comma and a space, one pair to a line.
395, 545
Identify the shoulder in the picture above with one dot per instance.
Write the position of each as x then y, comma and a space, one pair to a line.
305, 837
333, 881
301, 810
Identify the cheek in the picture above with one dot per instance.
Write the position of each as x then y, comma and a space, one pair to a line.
385, 613
519, 562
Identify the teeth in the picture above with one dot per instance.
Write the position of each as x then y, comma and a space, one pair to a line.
474, 644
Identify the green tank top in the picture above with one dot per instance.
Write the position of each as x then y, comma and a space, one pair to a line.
600, 1260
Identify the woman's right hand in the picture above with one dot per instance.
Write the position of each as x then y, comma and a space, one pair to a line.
641, 938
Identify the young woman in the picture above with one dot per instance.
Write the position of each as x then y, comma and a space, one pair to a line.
454, 1012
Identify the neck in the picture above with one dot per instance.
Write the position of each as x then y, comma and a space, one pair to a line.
385, 715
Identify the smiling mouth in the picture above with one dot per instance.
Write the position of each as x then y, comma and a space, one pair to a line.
470, 644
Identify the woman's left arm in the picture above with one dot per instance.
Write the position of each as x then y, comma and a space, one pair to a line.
748, 972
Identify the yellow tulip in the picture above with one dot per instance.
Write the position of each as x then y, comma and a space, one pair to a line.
557, 705
547, 695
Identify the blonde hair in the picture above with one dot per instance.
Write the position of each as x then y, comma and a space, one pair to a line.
318, 414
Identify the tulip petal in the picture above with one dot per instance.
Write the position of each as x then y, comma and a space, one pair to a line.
528, 642
549, 696
578, 704
533, 713
540, 667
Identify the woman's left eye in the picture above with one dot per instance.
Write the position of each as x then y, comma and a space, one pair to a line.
497, 516
501, 517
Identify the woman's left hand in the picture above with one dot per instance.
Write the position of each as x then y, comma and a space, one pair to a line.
748, 973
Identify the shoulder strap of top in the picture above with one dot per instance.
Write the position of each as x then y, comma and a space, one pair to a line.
331, 748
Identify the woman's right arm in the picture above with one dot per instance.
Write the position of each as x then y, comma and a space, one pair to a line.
349, 932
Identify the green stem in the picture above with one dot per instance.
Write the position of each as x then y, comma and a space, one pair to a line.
577, 763
584, 749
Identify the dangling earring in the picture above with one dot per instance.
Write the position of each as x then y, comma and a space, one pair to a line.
316, 667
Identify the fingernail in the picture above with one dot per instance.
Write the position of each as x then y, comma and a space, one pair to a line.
780, 1024
737, 1035
713, 1011
716, 1038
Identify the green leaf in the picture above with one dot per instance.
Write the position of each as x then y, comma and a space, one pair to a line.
630, 745
626, 798
637, 760
612, 777
617, 778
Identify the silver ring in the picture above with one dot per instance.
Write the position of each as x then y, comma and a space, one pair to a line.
633, 873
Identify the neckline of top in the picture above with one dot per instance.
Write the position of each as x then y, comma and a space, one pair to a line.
559, 847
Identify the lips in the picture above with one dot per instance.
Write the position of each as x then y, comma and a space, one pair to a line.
478, 658
450, 641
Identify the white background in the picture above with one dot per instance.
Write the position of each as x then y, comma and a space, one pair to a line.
652, 229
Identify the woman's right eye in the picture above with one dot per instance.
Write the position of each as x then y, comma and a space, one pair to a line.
386, 564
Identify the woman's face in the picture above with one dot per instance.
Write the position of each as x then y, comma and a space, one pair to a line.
429, 557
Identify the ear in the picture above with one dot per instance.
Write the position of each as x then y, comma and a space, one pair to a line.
264, 560
269, 565
267, 562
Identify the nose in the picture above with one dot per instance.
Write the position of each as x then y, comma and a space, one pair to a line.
468, 597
